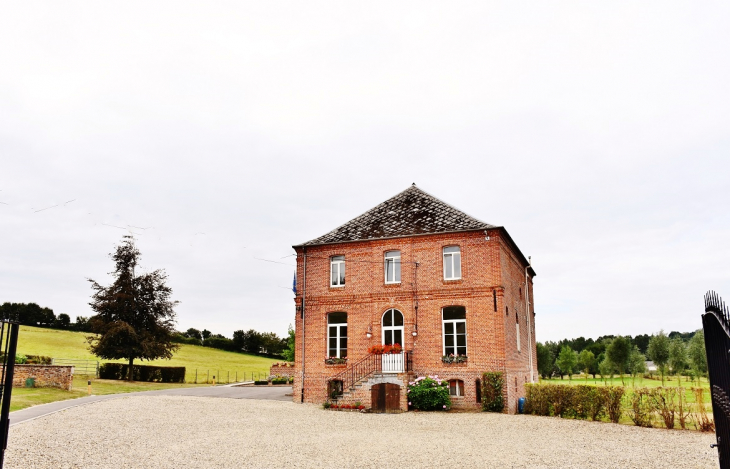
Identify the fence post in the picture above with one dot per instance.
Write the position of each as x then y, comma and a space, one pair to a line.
207, 377
196, 376
228, 380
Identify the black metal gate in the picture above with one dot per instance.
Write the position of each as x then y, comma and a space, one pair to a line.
8, 346
716, 325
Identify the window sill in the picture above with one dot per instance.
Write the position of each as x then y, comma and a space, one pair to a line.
392, 285
452, 281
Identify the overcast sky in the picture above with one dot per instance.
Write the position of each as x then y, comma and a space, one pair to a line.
598, 135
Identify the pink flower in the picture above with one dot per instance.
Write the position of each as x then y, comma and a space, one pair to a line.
409, 403
444, 407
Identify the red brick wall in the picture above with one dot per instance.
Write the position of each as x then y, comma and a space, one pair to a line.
282, 370
366, 297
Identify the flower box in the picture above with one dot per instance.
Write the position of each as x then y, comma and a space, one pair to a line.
449, 359
385, 349
335, 361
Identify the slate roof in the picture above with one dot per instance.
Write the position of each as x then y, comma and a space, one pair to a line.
412, 212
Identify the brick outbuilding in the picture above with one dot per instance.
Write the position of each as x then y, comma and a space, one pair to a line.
453, 291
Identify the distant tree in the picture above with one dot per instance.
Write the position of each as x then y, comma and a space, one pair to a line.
29, 314
637, 363
289, 351
82, 324
252, 342
545, 360
205, 334
658, 351
696, 353
567, 361
618, 352
642, 341
586, 362
63, 321
606, 368
193, 334
677, 356
239, 340
135, 315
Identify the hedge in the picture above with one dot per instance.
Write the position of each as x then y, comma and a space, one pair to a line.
646, 407
492, 399
159, 374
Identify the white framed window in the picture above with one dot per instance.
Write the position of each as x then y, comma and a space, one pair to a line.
393, 327
456, 388
392, 267
454, 330
337, 271
337, 335
452, 263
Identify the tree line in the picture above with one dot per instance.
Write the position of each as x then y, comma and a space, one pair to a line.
250, 341
30, 314
677, 354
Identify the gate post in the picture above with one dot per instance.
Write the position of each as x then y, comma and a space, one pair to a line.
11, 344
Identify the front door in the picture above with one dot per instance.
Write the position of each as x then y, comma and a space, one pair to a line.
385, 397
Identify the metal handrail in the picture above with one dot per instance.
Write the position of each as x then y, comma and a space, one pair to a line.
366, 366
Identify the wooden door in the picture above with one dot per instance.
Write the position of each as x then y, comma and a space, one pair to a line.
385, 397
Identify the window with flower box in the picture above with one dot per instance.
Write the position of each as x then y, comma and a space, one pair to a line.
454, 330
337, 335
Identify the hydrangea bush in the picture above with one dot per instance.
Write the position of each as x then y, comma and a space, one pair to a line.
428, 393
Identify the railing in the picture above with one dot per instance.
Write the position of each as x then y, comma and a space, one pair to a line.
393, 362
81, 367
366, 366
373, 363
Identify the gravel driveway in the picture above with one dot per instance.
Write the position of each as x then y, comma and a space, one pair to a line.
199, 432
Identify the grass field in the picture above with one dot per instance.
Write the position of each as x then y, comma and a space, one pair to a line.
208, 362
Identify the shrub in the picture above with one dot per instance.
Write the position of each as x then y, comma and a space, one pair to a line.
149, 373
21, 359
279, 381
429, 393
261, 382
613, 402
492, 399
38, 360
663, 400
641, 409
537, 399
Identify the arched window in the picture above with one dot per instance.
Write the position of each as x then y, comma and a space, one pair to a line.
337, 335
454, 330
478, 385
456, 387
392, 327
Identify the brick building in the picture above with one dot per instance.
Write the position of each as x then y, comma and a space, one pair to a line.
454, 291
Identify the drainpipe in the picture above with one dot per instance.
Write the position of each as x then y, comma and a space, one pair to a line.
529, 326
304, 295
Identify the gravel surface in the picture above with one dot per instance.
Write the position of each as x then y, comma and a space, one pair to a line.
179, 432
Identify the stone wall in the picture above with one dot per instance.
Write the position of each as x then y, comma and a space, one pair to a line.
46, 376
282, 369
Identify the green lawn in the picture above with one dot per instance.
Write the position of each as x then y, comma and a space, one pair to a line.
208, 362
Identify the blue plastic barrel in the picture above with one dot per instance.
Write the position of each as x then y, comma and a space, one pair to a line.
521, 405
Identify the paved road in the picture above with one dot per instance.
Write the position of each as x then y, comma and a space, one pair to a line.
270, 393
